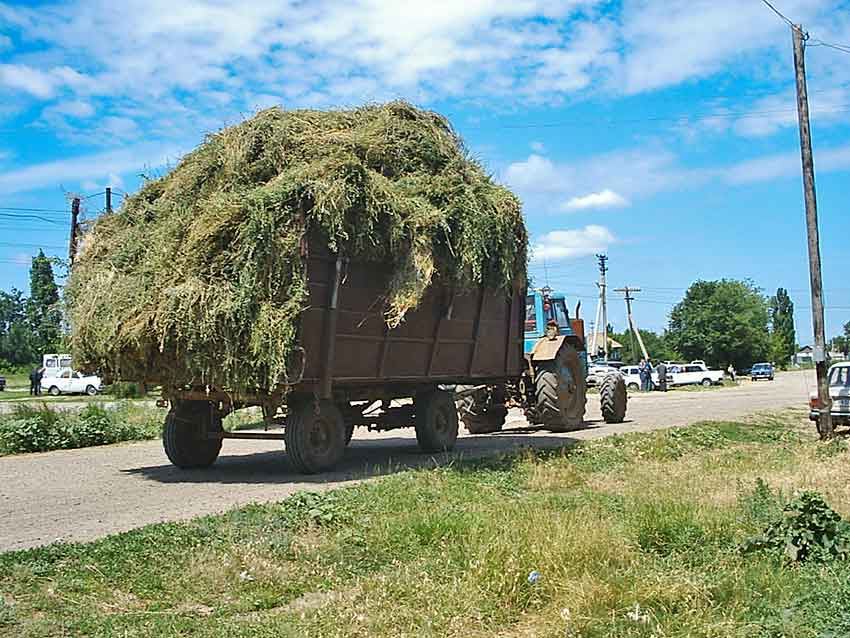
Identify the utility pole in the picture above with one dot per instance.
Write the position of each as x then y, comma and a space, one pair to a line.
75, 215
825, 428
108, 199
603, 296
627, 292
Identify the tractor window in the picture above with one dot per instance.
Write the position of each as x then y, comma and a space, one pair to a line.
558, 312
530, 314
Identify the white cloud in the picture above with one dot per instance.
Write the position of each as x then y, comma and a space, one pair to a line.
38, 83
74, 108
571, 244
783, 165
87, 167
603, 199
535, 174
537, 147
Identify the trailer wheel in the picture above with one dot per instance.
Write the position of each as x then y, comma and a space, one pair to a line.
483, 412
614, 398
315, 436
560, 391
182, 436
436, 421
349, 433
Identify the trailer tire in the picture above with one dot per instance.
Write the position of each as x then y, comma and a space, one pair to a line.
349, 433
613, 398
560, 391
436, 421
483, 412
185, 423
315, 436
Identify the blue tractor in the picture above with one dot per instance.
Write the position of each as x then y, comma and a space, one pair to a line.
553, 390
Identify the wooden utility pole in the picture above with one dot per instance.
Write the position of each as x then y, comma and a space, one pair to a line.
75, 215
825, 421
603, 296
627, 292
108, 199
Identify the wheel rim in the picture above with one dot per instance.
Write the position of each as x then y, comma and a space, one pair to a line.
441, 422
320, 436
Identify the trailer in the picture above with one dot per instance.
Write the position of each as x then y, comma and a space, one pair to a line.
351, 370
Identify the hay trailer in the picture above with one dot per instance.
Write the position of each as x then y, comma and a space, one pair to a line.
356, 372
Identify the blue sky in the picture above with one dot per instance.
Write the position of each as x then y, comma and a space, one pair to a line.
662, 132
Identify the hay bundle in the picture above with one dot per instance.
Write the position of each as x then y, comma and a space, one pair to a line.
199, 278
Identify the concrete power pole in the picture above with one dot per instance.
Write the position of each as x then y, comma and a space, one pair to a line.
75, 215
603, 297
825, 428
629, 299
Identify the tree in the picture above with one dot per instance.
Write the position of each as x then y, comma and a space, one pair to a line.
43, 306
16, 342
783, 336
841, 343
721, 322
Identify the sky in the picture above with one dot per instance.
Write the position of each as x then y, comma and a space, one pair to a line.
660, 132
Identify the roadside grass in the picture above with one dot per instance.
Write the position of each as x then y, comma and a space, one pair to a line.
632, 536
38, 427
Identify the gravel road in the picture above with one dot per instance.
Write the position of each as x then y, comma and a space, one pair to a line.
78, 495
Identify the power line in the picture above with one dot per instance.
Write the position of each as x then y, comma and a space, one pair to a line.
780, 14
33, 210
838, 47
27, 216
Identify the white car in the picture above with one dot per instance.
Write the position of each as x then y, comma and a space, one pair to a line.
839, 391
598, 371
72, 382
632, 376
693, 374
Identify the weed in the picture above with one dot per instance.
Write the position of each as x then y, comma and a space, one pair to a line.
807, 530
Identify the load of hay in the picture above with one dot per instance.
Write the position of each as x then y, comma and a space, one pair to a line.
199, 277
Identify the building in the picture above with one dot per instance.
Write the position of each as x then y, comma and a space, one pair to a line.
615, 348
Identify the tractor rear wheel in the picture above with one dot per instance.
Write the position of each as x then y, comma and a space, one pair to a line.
436, 421
183, 436
613, 397
315, 436
560, 391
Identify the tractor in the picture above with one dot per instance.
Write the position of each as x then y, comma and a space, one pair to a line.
552, 390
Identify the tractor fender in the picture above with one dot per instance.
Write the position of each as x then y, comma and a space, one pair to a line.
546, 349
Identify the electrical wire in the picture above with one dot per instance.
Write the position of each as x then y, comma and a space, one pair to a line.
33, 210
29, 217
780, 14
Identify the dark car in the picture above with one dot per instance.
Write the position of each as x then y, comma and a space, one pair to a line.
2, 383
762, 371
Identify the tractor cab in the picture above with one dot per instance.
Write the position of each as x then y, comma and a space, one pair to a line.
543, 308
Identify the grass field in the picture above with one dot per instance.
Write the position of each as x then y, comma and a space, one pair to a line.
633, 536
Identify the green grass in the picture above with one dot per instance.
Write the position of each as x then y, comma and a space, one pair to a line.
633, 536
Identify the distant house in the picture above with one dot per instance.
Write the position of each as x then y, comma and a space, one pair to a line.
837, 355
804, 356
615, 348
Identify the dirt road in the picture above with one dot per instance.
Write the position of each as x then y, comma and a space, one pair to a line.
84, 494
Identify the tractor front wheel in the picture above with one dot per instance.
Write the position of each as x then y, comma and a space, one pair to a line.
614, 398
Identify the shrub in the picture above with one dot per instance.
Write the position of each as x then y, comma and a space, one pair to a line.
807, 530
40, 429
125, 390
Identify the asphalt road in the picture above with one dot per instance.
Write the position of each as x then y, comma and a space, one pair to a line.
78, 495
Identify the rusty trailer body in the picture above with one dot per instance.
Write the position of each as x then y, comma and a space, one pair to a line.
355, 371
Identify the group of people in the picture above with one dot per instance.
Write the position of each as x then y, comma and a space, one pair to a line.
35, 381
645, 371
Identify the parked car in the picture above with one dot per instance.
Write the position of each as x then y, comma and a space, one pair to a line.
693, 374
2, 383
632, 376
597, 371
762, 371
72, 382
839, 391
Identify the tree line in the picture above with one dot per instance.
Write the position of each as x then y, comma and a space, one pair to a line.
723, 322
31, 326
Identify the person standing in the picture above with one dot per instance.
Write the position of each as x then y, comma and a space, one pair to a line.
642, 372
33, 381
39, 375
662, 376
731, 371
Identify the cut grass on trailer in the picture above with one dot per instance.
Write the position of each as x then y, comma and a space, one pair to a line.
632, 536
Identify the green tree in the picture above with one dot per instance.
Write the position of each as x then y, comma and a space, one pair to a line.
783, 336
16, 342
721, 322
43, 306
841, 343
